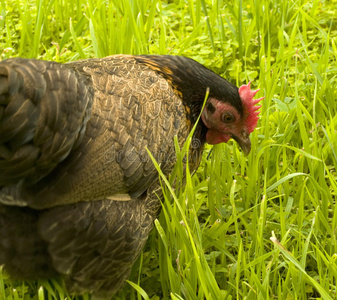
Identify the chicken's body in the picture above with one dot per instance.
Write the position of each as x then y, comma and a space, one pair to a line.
78, 191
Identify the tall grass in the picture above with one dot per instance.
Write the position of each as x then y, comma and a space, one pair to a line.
256, 227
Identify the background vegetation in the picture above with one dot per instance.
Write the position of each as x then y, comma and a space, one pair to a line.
256, 227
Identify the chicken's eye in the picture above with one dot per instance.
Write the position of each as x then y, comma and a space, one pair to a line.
228, 118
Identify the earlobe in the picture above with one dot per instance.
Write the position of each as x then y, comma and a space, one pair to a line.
204, 118
210, 107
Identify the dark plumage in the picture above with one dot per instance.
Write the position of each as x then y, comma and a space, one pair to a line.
78, 192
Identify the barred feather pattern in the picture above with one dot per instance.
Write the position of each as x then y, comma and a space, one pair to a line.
72, 146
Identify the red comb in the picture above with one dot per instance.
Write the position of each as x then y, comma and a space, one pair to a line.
247, 95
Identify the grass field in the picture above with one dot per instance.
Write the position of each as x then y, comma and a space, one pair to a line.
256, 227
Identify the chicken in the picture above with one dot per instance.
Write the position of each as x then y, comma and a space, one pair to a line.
78, 191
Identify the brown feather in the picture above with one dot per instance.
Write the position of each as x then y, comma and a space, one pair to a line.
74, 140
78, 191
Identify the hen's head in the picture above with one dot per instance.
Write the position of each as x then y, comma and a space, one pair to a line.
225, 121
230, 112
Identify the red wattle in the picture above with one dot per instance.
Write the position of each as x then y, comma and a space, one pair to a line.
214, 137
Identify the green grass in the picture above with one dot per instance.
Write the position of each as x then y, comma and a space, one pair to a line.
256, 227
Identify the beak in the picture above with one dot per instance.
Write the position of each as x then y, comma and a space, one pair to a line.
244, 142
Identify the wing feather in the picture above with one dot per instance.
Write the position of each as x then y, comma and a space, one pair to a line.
44, 108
